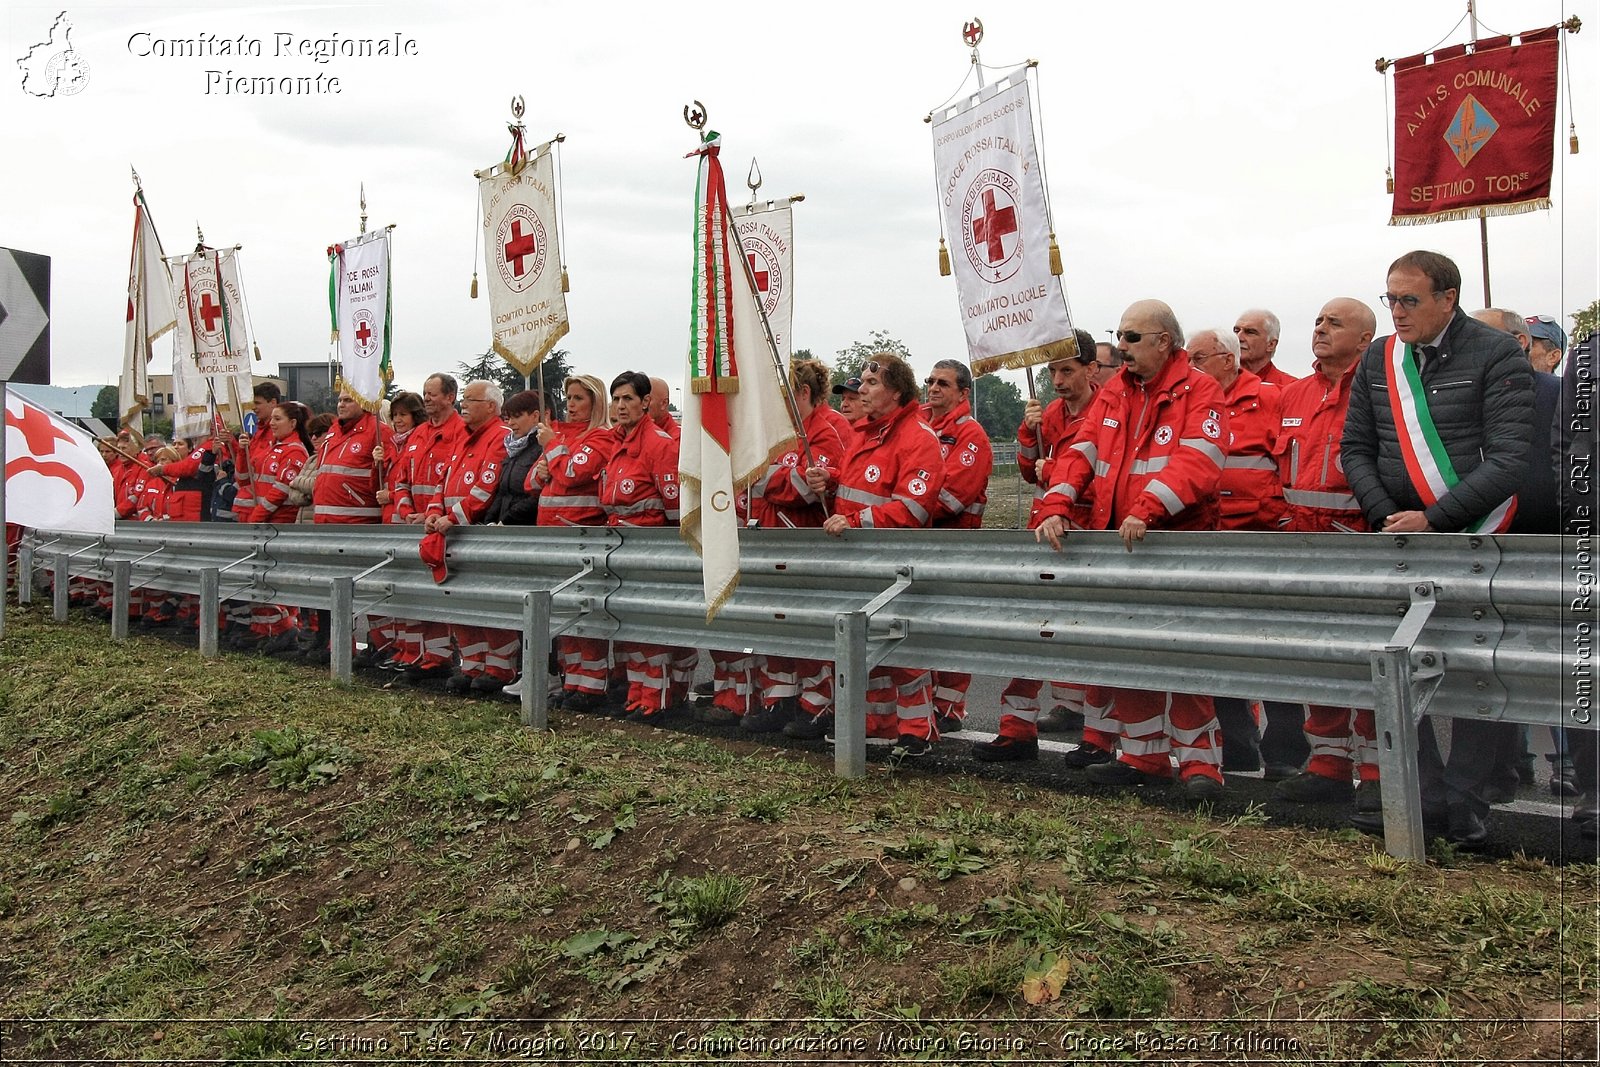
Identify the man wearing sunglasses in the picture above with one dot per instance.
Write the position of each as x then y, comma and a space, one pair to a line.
1152, 448
1436, 438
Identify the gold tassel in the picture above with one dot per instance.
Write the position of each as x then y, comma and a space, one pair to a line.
944, 260
474, 285
566, 286
258, 351
1388, 180
1572, 139
333, 335
1055, 256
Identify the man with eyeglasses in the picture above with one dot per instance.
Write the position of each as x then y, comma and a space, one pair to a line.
1152, 447
1258, 331
1044, 433
968, 462
1441, 412
1106, 363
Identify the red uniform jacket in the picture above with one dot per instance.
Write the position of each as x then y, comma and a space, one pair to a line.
1057, 429
892, 478
1312, 422
1152, 451
639, 487
1251, 496
150, 497
183, 499
576, 458
125, 482
473, 473
278, 469
261, 445
1273, 376
346, 489
425, 463
968, 462
782, 492
395, 464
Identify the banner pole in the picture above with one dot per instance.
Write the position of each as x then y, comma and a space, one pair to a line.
1483, 216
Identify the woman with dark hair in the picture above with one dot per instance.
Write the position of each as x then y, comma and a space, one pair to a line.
513, 503
274, 626
566, 478
639, 487
889, 480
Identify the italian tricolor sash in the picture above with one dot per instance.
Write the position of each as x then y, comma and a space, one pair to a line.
1424, 453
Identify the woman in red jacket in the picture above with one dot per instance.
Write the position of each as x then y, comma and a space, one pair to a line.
276, 626
385, 632
639, 487
567, 479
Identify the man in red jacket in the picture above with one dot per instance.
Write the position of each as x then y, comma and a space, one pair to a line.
1320, 501
425, 646
1258, 331
1152, 448
346, 489
488, 656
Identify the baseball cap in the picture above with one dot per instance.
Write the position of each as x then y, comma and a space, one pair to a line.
1547, 329
849, 385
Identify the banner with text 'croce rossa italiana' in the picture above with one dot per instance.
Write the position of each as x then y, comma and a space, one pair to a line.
1475, 130
767, 233
992, 196
358, 289
210, 346
522, 262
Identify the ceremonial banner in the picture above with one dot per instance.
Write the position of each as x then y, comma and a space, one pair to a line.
55, 478
359, 299
150, 312
735, 421
210, 347
1475, 130
767, 233
522, 261
992, 197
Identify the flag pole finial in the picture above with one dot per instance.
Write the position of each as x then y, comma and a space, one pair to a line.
199, 237
753, 180
694, 115
363, 207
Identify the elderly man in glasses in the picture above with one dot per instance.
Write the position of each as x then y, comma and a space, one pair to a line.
1441, 412
1152, 446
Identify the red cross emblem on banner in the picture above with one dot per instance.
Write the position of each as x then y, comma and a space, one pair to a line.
363, 333
210, 311
763, 278
520, 245
990, 228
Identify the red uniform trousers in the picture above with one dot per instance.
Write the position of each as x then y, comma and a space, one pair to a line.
1153, 726
1019, 712
1342, 739
487, 650
950, 693
900, 701
809, 681
732, 680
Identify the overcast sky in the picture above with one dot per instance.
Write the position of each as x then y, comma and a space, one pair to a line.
1217, 156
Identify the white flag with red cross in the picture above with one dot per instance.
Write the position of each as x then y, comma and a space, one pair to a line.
997, 222
766, 230
522, 259
150, 311
211, 345
55, 478
360, 301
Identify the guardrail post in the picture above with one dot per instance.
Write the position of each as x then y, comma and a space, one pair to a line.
1395, 724
850, 694
63, 577
25, 574
341, 629
535, 657
121, 593
210, 607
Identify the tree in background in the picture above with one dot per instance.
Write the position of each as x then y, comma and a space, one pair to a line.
997, 404
105, 406
1586, 321
849, 360
493, 368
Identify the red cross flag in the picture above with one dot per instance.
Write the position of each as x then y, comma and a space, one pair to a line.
211, 344
997, 222
55, 478
522, 259
767, 232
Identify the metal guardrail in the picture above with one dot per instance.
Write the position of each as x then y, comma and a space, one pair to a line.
1464, 626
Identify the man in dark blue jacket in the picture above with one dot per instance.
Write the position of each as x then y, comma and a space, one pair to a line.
1436, 439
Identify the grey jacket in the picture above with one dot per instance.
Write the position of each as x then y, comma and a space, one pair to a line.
1480, 393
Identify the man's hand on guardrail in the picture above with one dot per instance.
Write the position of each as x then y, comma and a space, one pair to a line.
836, 524
1052, 530
1132, 530
1404, 522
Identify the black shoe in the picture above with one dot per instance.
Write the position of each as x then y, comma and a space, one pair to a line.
715, 714
770, 719
488, 684
1087, 755
1563, 779
703, 692
582, 701
647, 715
1434, 823
458, 683
414, 674
1500, 792
368, 658
1369, 797
316, 657
1120, 775
288, 641
1308, 788
809, 727
1060, 720
947, 724
1202, 788
1006, 750
1466, 831
1277, 772
910, 746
